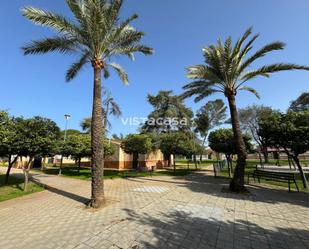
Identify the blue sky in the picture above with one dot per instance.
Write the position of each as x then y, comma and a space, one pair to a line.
177, 30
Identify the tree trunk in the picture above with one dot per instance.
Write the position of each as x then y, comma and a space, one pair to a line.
60, 168
135, 161
203, 143
300, 168
43, 164
97, 169
11, 163
174, 164
228, 164
167, 157
237, 183
195, 162
79, 162
265, 155
26, 170
260, 157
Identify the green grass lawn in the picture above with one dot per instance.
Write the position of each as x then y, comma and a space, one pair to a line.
251, 166
85, 173
15, 188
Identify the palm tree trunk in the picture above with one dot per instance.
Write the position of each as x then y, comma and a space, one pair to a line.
97, 169
237, 183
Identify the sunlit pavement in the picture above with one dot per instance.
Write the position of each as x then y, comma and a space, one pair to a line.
155, 212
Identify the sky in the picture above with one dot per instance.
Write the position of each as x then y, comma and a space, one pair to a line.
177, 30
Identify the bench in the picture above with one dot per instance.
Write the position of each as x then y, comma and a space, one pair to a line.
274, 176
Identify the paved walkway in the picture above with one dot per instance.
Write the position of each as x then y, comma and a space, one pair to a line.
155, 212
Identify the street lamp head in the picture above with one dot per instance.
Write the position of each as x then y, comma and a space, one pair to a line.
67, 116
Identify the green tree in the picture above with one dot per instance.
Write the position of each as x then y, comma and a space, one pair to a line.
178, 143
136, 144
226, 70
249, 118
77, 146
223, 141
169, 114
70, 132
301, 103
288, 131
8, 138
35, 137
209, 116
97, 35
118, 137
109, 148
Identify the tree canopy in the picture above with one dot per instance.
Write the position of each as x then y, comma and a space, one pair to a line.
223, 141
169, 114
249, 118
289, 131
136, 144
301, 103
37, 136
209, 116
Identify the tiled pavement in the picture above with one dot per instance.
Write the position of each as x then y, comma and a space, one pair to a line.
155, 212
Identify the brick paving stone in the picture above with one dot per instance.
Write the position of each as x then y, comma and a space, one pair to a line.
157, 212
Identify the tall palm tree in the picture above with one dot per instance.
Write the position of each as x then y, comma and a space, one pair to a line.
226, 70
97, 36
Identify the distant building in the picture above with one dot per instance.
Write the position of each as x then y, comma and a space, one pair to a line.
119, 160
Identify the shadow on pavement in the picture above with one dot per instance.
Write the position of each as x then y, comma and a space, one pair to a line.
185, 229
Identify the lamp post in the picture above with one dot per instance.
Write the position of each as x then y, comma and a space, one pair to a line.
67, 117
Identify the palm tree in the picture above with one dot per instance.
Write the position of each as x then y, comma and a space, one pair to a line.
227, 68
110, 107
97, 36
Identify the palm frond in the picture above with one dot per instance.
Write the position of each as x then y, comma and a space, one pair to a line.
121, 27
241, 40
115, 108
114, 10
77, 66
59, 44
250, 89
260, 53
205, 94
122, 74
128, 36
49, 19
106, 73
129, 50
77, 9
273, 68
196, 72
198, 83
